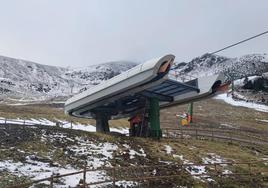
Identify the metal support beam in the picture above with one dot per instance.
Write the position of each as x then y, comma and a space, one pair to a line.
191, 111
154, 118
160, 96
194, 88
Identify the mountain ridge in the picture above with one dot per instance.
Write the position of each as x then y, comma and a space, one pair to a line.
233, 68
21, 79
26, 80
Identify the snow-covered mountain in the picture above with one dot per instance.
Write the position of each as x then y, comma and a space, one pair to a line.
25, 80
247, 65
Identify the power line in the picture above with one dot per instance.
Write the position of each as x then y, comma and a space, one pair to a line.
240, 42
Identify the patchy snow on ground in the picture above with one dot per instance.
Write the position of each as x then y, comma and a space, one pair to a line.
64, 124
212, 158
95, 154
32, 121
200, 171
168, 149
166, 162
38, 170
132, 152
196, 169
90, 128
178, 156
227, 125
78, 148
265, 160
262, 120
226, 171
229, 100
192, 148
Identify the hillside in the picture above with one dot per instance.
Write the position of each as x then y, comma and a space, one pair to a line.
29, 81
236, 68
35, 152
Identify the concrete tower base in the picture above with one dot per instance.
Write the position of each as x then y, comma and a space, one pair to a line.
102, 122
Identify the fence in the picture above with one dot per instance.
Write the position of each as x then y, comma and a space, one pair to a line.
146, 173
230, 135
253, 137
23, 122
7, 121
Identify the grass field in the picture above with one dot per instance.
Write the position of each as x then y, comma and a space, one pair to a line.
207, 113
39, 111
216, 113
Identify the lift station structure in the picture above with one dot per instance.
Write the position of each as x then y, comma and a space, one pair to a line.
148, 86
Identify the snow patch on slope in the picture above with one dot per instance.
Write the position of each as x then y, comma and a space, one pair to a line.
96, 154
230, 100
168, 149
64, 124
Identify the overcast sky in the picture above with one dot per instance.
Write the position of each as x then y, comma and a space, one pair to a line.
78, 33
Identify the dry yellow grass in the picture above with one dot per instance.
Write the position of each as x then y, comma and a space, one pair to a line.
215, 113
50, 113
207, 113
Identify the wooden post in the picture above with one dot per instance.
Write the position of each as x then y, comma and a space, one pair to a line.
231, 137
250, 140
250, 176
85, 175
212, 134
167, 133
215, 166
51, 181
196, 134
181, 133
113, 176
